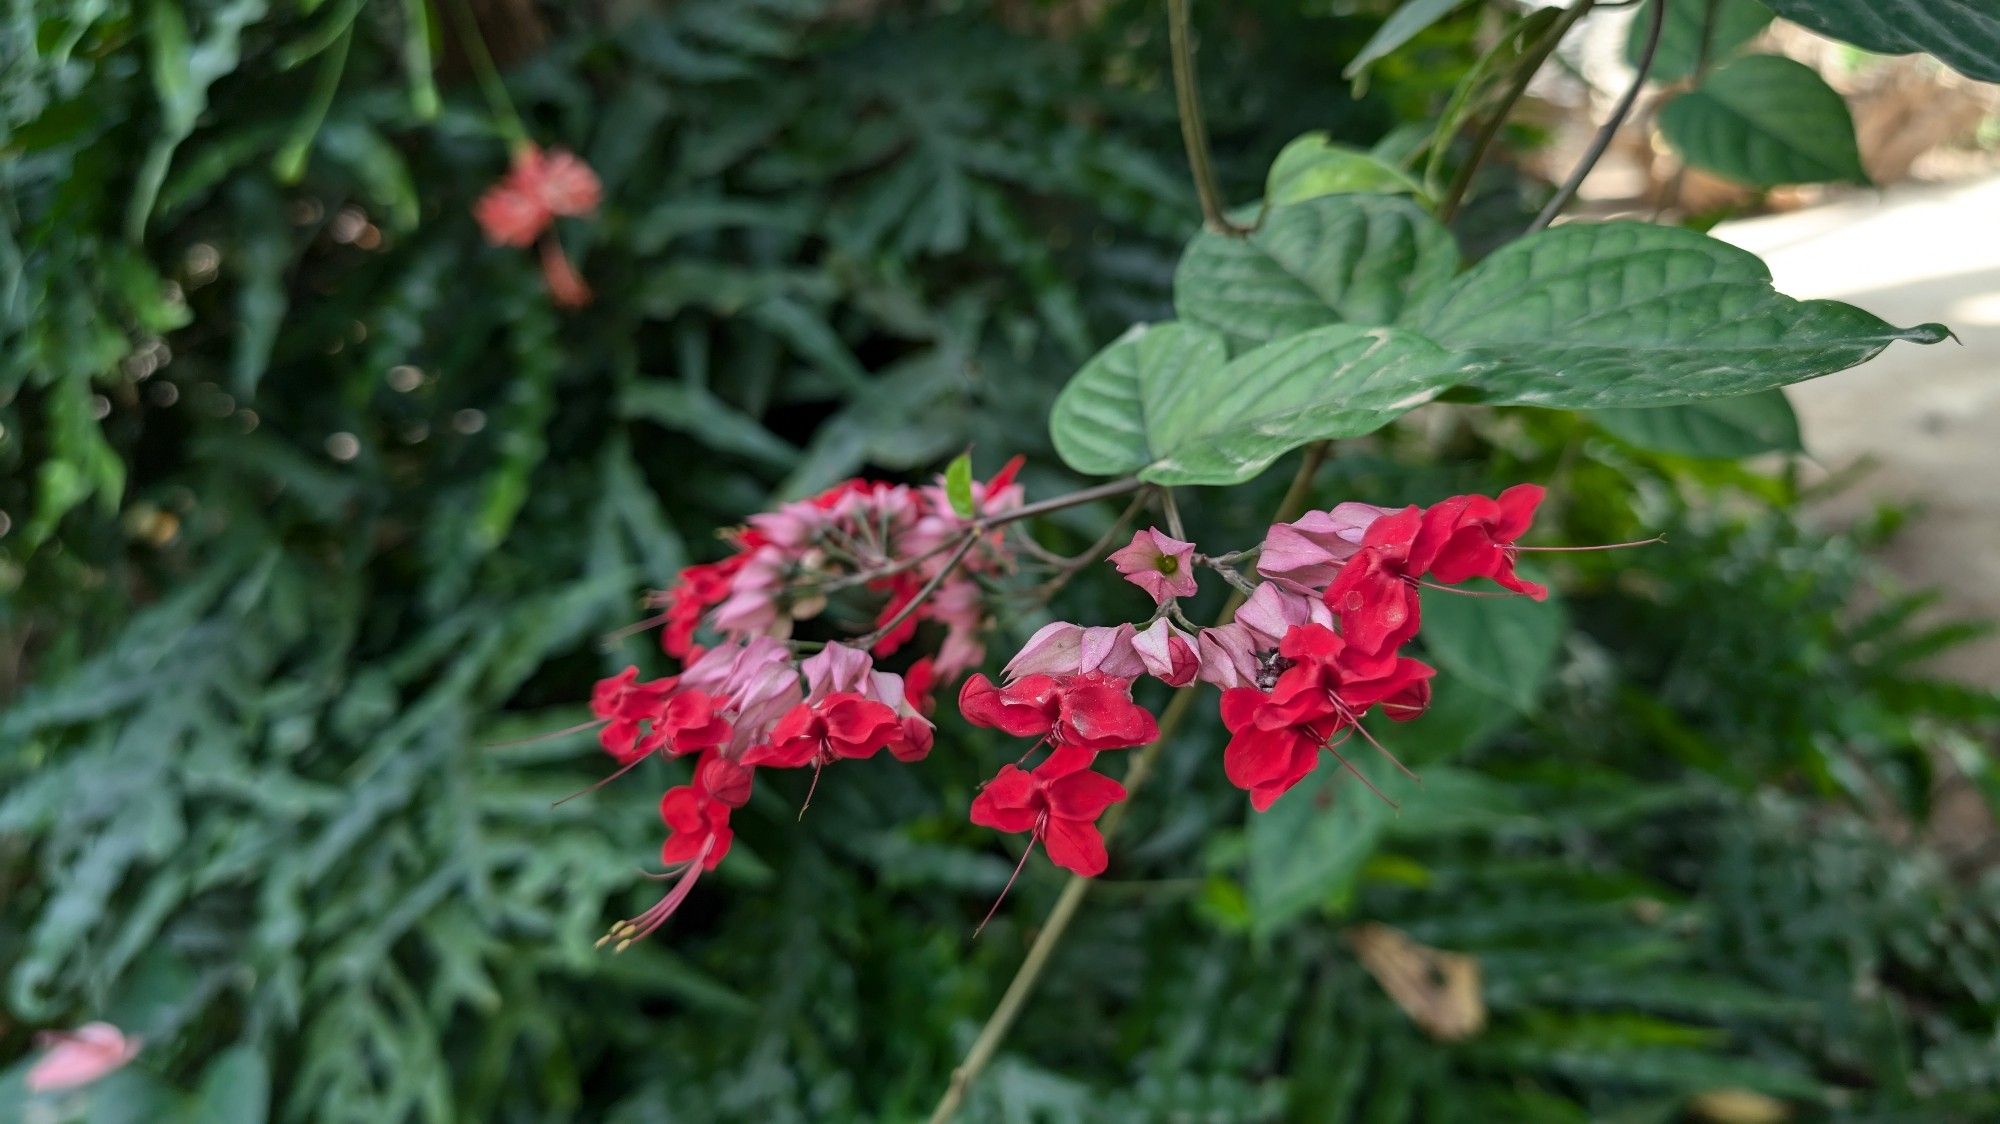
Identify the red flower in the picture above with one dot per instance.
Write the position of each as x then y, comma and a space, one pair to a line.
699, 588
1328, 685
1375, 594
920, 685
509, 216
1468, 537
838, 726
1267, 754
698, 827
627, 707
1059, 803
538, 187
1090, 712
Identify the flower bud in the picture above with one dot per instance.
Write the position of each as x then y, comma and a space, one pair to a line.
1168, 654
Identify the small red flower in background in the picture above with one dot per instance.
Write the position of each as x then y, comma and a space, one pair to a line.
1059, 802
522, 208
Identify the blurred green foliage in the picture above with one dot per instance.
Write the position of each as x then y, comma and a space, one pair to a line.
317, 503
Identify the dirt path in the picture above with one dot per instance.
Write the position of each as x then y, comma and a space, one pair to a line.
1927, 418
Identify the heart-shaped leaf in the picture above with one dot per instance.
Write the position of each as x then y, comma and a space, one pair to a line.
1734, 23
1594, 315
1354, 259
1099, 421
1963, 34
1765, 121
1157, 403
1722, 428
1312, 166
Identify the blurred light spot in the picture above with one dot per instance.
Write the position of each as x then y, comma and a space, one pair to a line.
369, 237
203, 262
405, 378
469, 421
358, 331
416, 433
343, 446
163, 393
224, 405
305, 212
250, 420
6, 523
348, 224
100, 407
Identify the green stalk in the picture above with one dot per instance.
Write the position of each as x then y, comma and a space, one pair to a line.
994, 1032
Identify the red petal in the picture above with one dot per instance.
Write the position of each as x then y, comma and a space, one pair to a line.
1083, 796
1075, 846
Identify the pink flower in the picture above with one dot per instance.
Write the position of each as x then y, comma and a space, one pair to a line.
839, 669
1237, 654
1303, 556
78, 1057
559, 180
1069, 649
751, 609
1161, 565
1167, 653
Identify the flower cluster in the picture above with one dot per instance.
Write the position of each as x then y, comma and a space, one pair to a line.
746, 698
520, 210
1315, 647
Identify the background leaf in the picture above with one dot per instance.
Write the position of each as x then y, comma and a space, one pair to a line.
1734, 23
1404, 24
1722, 428
1504, 646
1964, 34
1764, 121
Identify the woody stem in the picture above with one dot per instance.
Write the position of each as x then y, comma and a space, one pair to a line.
1071, 899
1194, 130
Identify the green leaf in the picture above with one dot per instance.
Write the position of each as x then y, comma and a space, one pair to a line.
1354, 259
1765, 121
958, 485
1722, 428
1963, 34
1403, 25
1099, 420
1312, 166
1143, 405
235, 1089
1503, 646
1736, 22
1306, 850
1591, 315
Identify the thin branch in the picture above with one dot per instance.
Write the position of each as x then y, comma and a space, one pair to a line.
1194, 130
1602, 140
1029, 973
965, 543
1524, 73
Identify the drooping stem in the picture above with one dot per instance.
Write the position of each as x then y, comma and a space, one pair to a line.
991, 1035
1619, 112
1489, 130
1194, 130
505, 120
